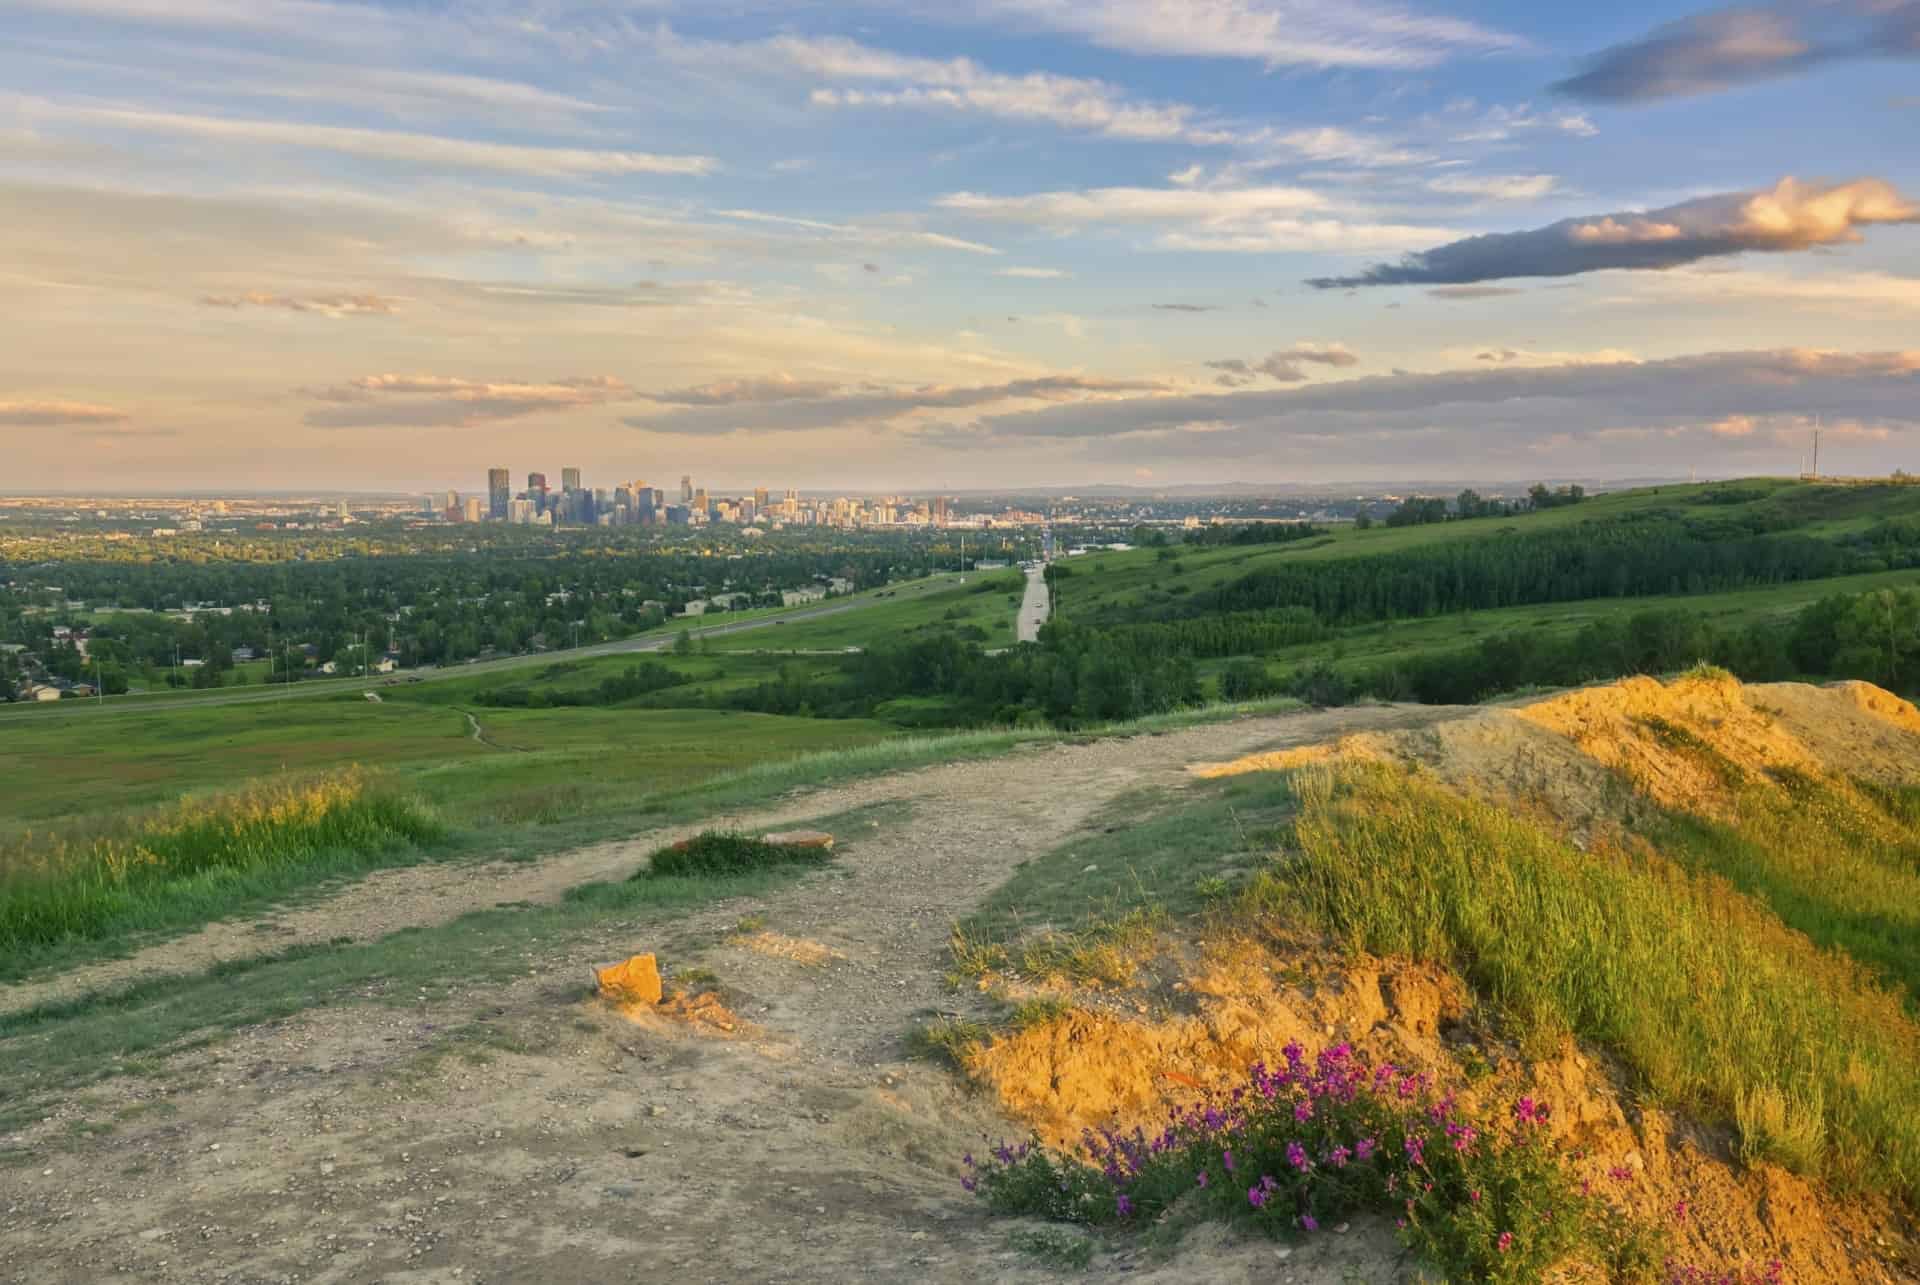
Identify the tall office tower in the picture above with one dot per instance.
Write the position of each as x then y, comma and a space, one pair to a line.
499, 491
537, 487
475, 513
569, 479
453, 501
749, 510
623, 502
760, 498
699, 504
939, 510
686, 488
430, 506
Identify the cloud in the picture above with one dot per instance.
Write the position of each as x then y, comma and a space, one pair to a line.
860, 233
1788, 217
1283, 365
1473, 292
52, 414
1330, 143
390, 145
869, 407
1187, 307
1496, 187
1853, 295
1134, 205
448, 401
1725, 48
1499, 123
1034, 274
338, 305
1470, 407
1273, 32
1527, 357
735, 392
1251, 220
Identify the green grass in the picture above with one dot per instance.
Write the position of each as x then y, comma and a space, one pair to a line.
1836, 861
183, 865
1106, 586
1161, 852
978, 600
61, 1045
716, 852
1713, 1003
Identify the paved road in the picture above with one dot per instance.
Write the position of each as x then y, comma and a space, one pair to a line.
338, 686
1034, 607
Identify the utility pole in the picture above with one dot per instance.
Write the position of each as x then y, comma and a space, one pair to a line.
1816, 449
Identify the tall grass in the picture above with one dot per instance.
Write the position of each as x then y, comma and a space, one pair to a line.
57, 889
1715, 1004
1837, 861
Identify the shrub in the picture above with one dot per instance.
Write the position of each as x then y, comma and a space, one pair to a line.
1299, 1148
717, 852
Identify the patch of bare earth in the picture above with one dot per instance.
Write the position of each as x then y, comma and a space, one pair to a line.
531, 1132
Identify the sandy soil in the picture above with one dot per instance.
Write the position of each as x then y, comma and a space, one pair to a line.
577, 1144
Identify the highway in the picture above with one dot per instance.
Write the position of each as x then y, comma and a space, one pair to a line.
656, 642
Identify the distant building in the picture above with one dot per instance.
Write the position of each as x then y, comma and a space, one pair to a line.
499, 493
686, 489
476, 511
569, 479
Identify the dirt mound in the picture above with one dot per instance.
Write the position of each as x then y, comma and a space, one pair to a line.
1585, 755
1086, 1069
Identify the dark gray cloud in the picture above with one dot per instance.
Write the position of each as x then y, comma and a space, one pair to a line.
1540, 400
1282, 366
1473, 292
1724, 48
1786, 217
801, 414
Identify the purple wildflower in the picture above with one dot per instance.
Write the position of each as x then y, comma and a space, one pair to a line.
1256, 1196
1297, 1156
1309, 1223
1122, 1206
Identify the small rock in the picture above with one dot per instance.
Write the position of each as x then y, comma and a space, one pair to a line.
635, 980
800, 839
153, 1233
1283, 1253
326, 1168
214, 1147
1089, 868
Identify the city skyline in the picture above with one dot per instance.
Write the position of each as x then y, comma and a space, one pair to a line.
876, 246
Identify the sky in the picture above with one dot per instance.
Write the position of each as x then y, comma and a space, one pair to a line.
953, 244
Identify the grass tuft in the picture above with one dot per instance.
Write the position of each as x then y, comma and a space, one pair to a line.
716, 852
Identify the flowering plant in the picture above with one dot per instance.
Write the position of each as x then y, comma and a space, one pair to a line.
1301, 1146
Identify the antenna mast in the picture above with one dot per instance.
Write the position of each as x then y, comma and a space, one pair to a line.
1816, 448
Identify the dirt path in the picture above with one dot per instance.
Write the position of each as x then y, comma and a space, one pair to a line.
551, 1139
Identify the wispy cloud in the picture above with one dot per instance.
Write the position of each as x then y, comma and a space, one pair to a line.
448, 401
865, 234
871, 407
387, 145
737, 392
1790, 216
52, 414
1274, 32
1254, 220
1496, 187
1728, 47
331, 305
1035, 274
1513, 398
1186, 307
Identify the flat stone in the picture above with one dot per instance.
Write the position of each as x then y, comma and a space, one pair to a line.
799, 838
635, 980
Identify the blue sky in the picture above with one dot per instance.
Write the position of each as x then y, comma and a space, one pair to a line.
972, 243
